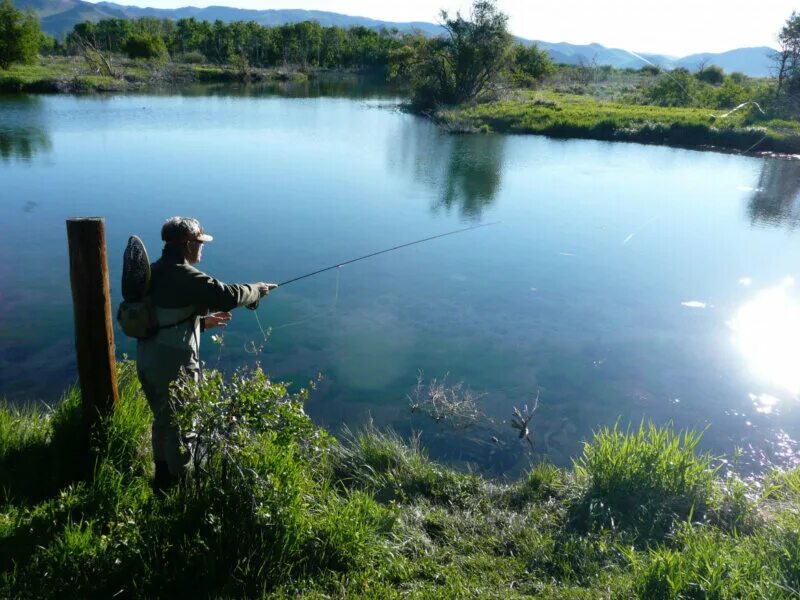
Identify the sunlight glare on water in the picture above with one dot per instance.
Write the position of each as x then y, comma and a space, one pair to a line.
766, 329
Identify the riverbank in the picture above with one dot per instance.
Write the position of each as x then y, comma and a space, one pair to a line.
73, 75
599, 114
577, 116
291, 512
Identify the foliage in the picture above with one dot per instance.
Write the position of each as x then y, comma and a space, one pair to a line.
788, 67
530, 64
675, 88
643, 481
730, 94
224, 416
146, 46
703, 562
711, 74
392, 470
279, 509
300, 44
192, 58
570, 115
458, 67
20, 36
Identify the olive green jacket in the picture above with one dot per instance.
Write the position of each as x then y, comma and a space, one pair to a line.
182, 295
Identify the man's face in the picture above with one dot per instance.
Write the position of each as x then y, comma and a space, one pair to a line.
194, 252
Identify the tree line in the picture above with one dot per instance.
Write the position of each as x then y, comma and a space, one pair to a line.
306, 44
475, 55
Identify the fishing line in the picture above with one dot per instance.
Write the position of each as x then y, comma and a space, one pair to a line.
338, 266
316, 315
351, 261
688, 93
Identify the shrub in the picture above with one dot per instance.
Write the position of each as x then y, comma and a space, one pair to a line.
146, 46
530, 64
676, 88
193, 58
730, 94
711, 74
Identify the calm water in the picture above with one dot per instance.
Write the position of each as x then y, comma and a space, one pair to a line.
625, 281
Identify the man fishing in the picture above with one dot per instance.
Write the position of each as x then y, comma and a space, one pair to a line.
187, 302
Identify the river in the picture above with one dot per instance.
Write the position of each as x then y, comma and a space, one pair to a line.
624, 282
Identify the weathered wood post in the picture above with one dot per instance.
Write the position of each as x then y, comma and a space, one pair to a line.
94, 328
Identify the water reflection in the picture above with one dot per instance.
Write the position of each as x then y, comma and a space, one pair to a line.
465, 170
23, 143
22, 130
473, 173
355, 87
776, 199
767, 331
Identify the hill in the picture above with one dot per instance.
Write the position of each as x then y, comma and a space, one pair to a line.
58, 17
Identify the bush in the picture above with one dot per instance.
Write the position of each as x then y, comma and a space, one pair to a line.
193, 58
712, 74
146, 46
530, 64
730, 94
676, 88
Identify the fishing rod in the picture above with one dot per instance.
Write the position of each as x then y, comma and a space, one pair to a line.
348, 262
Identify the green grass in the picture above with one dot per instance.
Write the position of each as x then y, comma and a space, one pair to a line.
643, 514
75, 75
57, 74
576, 116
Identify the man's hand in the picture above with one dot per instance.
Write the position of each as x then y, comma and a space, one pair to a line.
265, 288
217, 319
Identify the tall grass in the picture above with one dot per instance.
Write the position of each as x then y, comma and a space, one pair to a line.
643, 480
293, 513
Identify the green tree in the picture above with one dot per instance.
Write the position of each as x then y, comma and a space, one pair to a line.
530, 64
459, 66
20, 36
711, 74
788, 64
147, 46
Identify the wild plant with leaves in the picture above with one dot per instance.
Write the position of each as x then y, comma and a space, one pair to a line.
224, 420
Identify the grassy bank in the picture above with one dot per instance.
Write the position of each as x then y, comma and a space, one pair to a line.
76, 75
579, 116
288, 511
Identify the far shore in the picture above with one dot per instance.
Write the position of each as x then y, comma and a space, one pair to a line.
521, 111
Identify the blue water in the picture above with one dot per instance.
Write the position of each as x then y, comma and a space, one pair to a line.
624, 282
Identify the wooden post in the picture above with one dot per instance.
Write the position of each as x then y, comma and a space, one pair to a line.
94, 328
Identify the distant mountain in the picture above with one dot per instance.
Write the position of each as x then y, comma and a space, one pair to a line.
269, 17
58, 17
574, 54
750, 61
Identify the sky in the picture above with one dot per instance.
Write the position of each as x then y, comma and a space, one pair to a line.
674, 27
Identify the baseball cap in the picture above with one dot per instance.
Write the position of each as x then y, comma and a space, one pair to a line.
182, 229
